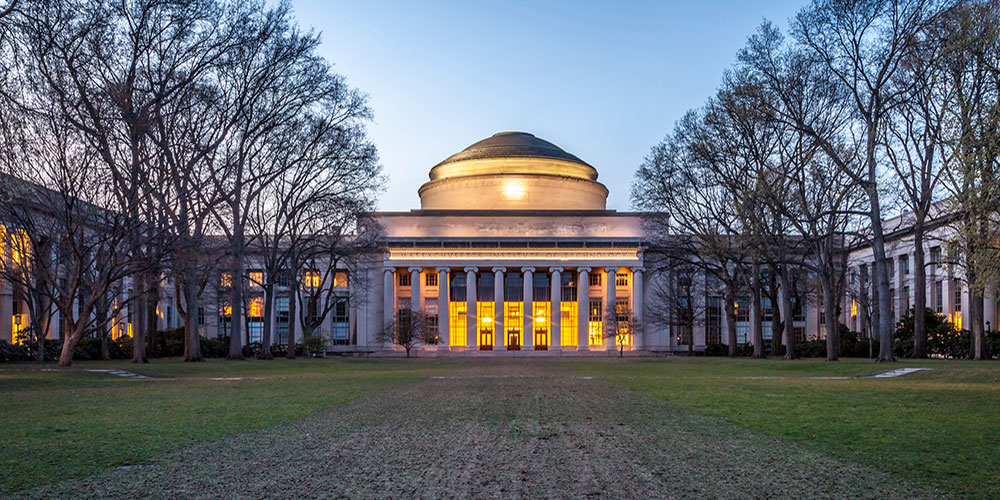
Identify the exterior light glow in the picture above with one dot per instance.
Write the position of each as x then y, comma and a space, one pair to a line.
487, 320
539, 320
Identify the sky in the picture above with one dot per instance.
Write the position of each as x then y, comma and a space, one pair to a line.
605, 81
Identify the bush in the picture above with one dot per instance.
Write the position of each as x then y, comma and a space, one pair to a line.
854, 344
215, 347
942, 337
170, 342
315, 344
811, 349
13, 352
993, 344
716, 349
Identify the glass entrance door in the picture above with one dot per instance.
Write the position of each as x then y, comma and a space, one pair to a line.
486, 339
513, 339
541, 339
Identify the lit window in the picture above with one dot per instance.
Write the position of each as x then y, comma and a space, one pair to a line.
257, 307
340, 278
595, 279
256, 278
312, 279
226, 280
621, 279
431, 279
596, 315
404, 279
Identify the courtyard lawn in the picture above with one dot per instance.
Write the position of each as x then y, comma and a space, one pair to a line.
940, 428
64, 423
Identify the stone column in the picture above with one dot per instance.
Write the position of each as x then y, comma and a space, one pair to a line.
528, 330
638, 302
444, 308
415, 294
499, 331
610, 306
990, 310
388, 300
555, 321
900, 282
470, 309
582, 305
6, 312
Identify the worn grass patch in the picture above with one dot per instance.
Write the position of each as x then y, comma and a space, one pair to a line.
64, 423
938, 427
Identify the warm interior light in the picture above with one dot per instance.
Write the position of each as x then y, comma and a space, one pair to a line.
487, 320
539, 320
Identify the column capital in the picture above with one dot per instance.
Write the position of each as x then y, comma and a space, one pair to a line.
527, 269
583, 269
499, 269
389, 269
555, 269
443, 269
638, 269
472, 269
611, 269
416, 269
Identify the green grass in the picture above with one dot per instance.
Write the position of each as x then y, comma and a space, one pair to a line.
939, 428
63, 423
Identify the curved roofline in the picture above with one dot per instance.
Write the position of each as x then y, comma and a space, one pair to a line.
512, 144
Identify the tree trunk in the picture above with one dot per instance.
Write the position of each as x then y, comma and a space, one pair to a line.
69, 342
265, 348
919, 292
776, 313
830, 311
730, 309
151, 317
192, 340
755, 329
786, 308
976, 313
236, 309
137, 318
291, 315
885, 354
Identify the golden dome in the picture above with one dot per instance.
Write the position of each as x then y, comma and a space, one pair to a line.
513, 170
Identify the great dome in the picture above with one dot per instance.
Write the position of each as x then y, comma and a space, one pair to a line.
513, 171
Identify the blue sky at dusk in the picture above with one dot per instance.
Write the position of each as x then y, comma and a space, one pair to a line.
604, 81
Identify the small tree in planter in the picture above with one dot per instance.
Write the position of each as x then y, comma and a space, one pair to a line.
314, 342
621, 326
409, 329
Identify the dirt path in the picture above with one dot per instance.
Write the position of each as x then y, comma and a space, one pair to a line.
497, 429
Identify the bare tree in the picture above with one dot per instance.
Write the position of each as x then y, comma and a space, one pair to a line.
970, 61
408, 329
620, 324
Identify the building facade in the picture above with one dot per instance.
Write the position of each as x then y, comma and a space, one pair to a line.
514, 252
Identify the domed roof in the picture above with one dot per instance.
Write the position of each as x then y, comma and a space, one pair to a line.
513, 170
512, 145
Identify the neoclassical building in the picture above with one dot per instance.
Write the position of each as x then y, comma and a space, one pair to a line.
512, 250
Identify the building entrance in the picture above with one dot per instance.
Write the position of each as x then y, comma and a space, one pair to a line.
541, 339
486, 339
513, 339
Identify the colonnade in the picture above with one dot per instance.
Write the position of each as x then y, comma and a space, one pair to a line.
445, 275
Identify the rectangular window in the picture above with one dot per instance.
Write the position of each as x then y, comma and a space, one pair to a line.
766, 315
457, 289
431, 312
313, 279
513, 322
568, 288
935, 259
892, 303
713, 320
904, 262
621, 279
284, 278
958, 299
226, 280
622, 323
939, 297
341, 322
906, 298
743, 309
340, 278
281, 320
595, 317
595, 279
201, 315
404, 279
257, 278
431, 279
456, 319
567, 323
255, 321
